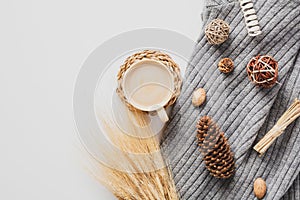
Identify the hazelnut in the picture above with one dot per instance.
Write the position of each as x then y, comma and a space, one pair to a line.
199, 97
260, 188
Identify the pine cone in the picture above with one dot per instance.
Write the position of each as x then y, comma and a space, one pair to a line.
215, 149
207, 134
226, 65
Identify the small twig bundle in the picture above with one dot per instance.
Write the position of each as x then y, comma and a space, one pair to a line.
284, 121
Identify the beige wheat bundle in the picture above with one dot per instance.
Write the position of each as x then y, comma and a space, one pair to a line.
134, 167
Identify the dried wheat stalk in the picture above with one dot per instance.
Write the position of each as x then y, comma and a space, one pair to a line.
286, 119
139, 170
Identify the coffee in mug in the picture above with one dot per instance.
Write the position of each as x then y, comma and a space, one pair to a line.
148, 86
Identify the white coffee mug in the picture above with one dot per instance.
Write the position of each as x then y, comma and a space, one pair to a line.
148, 86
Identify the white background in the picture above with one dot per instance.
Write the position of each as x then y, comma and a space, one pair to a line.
42, 46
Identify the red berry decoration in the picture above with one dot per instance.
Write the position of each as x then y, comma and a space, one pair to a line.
263, 71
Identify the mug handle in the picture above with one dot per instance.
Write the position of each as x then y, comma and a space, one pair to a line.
162, 114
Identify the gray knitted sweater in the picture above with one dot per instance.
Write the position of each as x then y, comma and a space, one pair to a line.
244, 112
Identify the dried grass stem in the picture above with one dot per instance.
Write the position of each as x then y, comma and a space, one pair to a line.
284, 121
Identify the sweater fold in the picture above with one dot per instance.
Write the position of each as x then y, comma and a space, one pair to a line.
243, 111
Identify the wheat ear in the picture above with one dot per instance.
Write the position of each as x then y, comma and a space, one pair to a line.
139, 170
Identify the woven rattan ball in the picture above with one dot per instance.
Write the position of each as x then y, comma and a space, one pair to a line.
263, 71
226, 65
217, 31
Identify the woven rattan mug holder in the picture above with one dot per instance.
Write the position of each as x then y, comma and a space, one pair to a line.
150, 55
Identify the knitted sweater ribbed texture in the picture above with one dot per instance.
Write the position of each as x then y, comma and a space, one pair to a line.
243, 111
